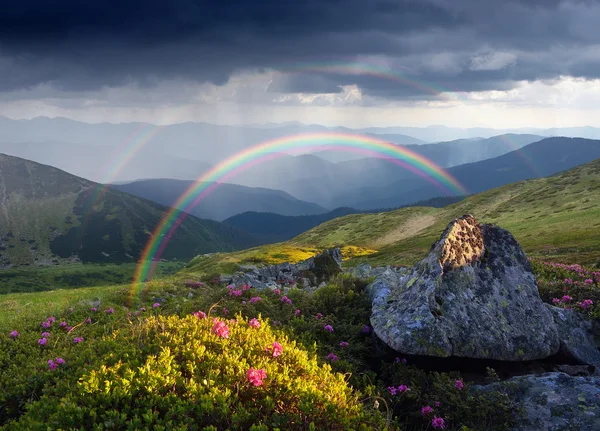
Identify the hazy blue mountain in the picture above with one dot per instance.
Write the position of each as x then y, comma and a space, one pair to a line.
539, 159
224, 201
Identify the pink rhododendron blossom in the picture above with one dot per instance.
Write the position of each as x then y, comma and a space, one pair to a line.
286, 300
277, 291
77, 340
59, 361
52, 365
586, 303
566, 298
297, 312
46, 325
402, 389
42, 341
225, 311
200, 314
51, 319
109, 310
142, 309
366, 329
459, 384
276, 349
45, 334
392, 390
221, 329
254, 323
555, 300
14, 334
62, 324
436, 404
328, 328
255, 299
246, 287
256, 376
156, 305
438, 423
318, 316
426, 410
332, 357
89, 320
344, 344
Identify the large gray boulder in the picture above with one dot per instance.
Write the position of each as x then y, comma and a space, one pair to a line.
474, 295
553, 401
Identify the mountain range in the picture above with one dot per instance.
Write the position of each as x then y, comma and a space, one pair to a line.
48, 216
225, 201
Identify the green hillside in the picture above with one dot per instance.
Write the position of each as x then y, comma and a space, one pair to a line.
556, 217
48, 216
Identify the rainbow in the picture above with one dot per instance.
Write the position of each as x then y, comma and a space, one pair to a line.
269, 150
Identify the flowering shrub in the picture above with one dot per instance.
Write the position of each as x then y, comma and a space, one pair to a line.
178, 375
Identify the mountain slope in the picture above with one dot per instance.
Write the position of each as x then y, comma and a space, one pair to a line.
269, 227
224, 201
47, 217
557, 217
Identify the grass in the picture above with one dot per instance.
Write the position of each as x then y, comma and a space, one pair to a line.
73, 276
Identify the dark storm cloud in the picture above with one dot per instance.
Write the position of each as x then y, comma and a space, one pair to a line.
464, 45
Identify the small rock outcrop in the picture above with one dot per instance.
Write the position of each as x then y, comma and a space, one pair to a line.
308, 273
474, 295
553, 401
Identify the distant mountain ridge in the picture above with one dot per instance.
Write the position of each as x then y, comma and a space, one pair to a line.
48, 216
224, 201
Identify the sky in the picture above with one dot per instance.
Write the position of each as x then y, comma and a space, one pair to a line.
355, 63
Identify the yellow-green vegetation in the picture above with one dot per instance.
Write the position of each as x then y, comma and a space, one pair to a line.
272, 254
186, 358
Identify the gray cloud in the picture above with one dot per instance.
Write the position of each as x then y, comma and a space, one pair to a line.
433, 45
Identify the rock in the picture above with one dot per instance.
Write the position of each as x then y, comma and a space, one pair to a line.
576, 370
553, 401
474, 295
575, 336
321, 266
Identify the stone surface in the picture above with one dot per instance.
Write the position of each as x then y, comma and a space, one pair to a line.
474, 295
553, 401
286, 274
575, 336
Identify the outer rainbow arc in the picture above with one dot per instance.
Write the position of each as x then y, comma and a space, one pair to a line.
272, 149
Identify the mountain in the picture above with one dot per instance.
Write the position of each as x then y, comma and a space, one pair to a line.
48, 216
553, 218
336, 186
542, 158
224, 201
270, 227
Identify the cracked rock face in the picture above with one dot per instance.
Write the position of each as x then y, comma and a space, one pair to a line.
474, 295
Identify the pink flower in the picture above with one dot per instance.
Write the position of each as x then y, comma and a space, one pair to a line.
426, 410
142, 309
156, 305
344, 344
45, 334
221, 329
243, 302
14, 334
587, 303
89, 320
402, 388
109, 310
332, 357
225, 311
277, 349
199, 315
392, 390
555, 300
277, 291
255, 299
51, 319
286, 300
94, 309
52, 365
566, 298
256, 376
238, 292
318, 316
297, 312
459, 384
366, 329
62, 324
436, 404
59, 361
77, 340
438, 423
246, 287
42, 341
328, 328
46, 324
254, 323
